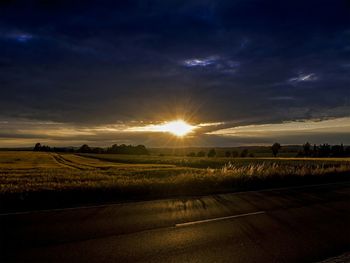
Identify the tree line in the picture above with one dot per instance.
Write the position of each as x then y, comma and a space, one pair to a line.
114, 149
322, 150
212, 153
307, 150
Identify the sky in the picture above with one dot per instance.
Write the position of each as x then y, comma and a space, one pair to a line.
242, 72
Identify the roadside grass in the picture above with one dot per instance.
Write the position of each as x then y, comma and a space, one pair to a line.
29, 179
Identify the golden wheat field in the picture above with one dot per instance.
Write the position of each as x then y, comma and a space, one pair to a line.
37, 171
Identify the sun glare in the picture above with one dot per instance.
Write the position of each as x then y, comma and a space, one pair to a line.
178, 128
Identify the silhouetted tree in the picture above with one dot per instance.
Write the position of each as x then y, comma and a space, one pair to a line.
37, 147
84, 149
201, 154
307, 149
347, 151
191, 154
212, 153
314, 153
324, 150
97, 150
234, 154
128, 149
42, 148
244, 153
63, 149
140, 150
228, 154
337, 150
275, 148
45, 148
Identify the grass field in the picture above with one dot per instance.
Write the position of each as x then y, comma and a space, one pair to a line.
51, 179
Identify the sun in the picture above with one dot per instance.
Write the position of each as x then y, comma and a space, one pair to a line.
178, 128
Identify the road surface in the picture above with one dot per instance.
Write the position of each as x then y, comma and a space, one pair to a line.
300, 224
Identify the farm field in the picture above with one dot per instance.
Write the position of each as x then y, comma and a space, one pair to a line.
37, 178
204, 162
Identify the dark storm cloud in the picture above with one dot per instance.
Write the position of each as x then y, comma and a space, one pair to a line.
242, 62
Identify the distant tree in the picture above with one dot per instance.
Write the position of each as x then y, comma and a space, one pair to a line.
307, 149
228, 154
201, 154
234, 154
42, 148
251, 155
63, 149
128, 149
140, 150
347, 151
337, 150
314, 152
212, 153
275, 148
191, 154
45, 148
324, 150
97, 150
244, 153
37, 147
84, 149
300, 154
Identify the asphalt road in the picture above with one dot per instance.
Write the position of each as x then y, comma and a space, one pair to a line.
303, 224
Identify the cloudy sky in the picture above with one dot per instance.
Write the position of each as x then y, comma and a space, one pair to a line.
242, 72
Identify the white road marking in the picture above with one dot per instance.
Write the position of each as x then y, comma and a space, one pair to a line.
218, 219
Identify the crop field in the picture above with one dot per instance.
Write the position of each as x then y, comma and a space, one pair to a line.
27, 172
215, 163
70, 178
